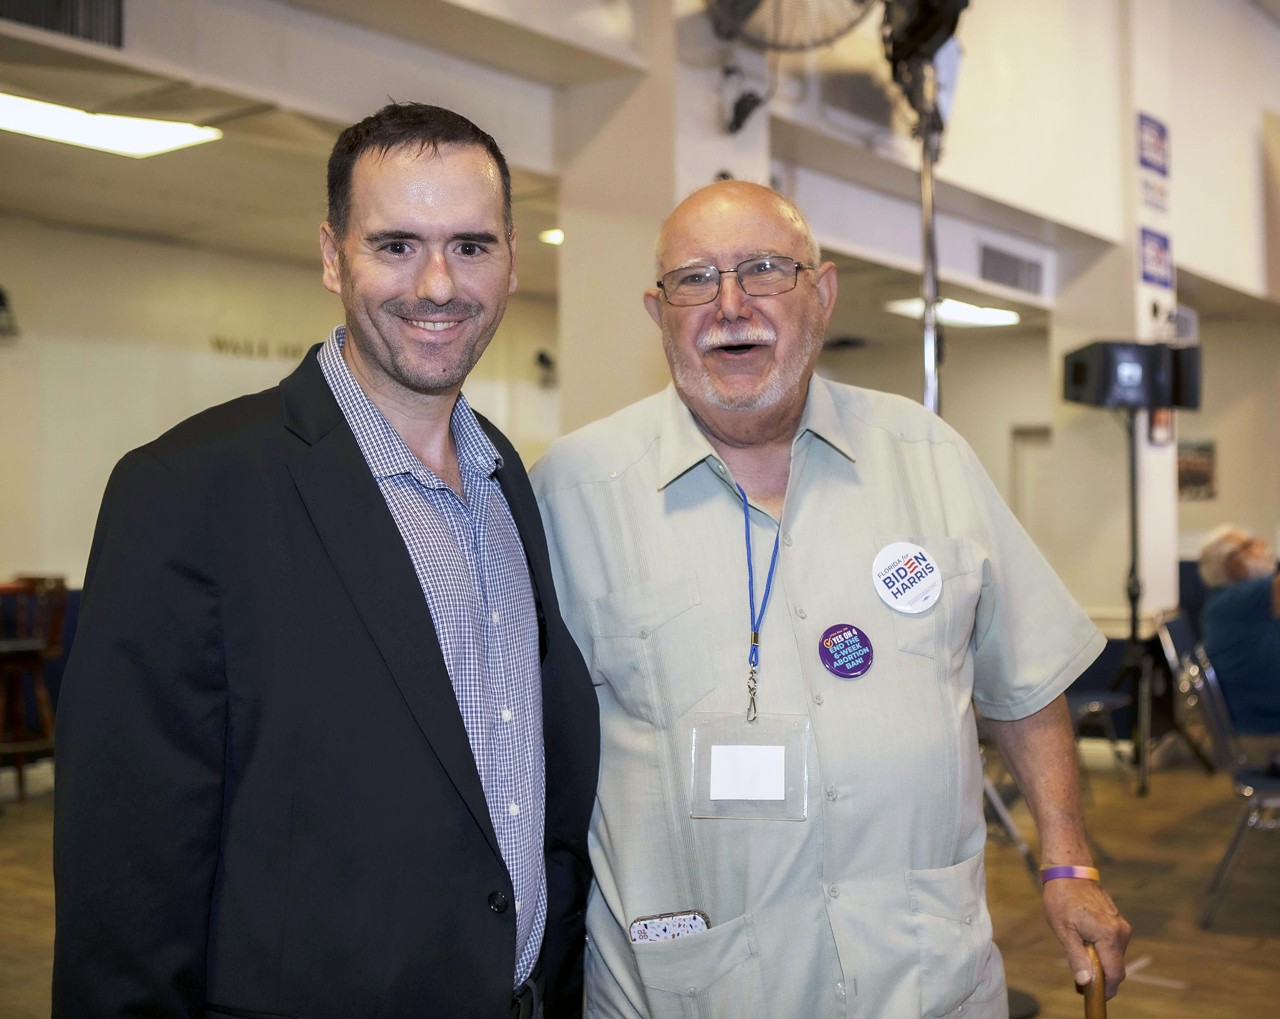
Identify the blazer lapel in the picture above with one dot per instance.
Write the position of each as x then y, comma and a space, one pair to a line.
367, 551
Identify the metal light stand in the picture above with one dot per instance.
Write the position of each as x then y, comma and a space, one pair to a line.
918, 79
930, 131
1137, 666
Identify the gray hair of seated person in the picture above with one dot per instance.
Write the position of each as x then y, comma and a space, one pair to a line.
1221, 544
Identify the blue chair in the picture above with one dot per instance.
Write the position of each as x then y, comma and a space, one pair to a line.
1179, 638
1198, 688
1094, 701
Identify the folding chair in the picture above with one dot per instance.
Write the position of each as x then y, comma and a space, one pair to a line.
1178, 641
1198, 687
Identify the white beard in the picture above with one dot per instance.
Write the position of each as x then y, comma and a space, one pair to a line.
697, 386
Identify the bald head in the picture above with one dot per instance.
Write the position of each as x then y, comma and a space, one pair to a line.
1230, 555
735, 199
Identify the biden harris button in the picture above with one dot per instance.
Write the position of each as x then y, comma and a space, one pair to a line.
906, 577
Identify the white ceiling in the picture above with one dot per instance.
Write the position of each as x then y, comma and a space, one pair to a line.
261, 189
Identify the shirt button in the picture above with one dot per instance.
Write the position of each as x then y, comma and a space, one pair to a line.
831, 792
497, 902
802, 613
517, 905
496, 615
513, 809
840, 989
786, 539
834, 891
506, 715
691, 991
817, 698
613, 474
644, 634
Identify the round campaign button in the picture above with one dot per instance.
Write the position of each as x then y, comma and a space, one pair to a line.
845, 651
906, 577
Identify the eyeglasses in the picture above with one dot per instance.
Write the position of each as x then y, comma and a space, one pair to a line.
764, 276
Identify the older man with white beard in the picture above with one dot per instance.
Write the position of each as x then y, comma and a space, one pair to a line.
791, 595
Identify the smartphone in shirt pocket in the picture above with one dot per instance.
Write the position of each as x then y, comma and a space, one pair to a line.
668, 926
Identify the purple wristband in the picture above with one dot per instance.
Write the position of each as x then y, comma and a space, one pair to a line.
1087, 873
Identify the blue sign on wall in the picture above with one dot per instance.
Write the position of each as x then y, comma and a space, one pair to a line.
1153, 144
1157, 259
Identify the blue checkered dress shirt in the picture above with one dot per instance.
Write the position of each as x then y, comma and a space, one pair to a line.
472, 568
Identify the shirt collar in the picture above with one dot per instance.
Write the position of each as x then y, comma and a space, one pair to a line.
683, 444
384, 450
821, 418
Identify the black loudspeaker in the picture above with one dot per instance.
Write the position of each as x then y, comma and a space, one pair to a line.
1122, 373
1186, 377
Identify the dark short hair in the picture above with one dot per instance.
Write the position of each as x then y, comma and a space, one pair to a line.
405, 124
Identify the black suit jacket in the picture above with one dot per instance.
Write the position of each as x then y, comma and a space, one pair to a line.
266, 803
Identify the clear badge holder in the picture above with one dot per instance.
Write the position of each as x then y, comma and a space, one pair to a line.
750, 770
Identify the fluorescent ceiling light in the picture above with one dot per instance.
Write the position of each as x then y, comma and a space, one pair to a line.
552, 236
955, 313
125, 136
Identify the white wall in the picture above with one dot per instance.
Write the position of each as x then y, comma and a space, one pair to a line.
990, 386
122, 338
1227, 56
1240, 412
1037, 122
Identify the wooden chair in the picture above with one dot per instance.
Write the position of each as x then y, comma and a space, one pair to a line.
30, 634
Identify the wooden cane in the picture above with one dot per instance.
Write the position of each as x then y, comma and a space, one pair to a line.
1095, 992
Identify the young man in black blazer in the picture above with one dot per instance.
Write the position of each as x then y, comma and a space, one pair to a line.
325, 747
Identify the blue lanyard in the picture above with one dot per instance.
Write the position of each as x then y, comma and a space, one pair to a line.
753, 656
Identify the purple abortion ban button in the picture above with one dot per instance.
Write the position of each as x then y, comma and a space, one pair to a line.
845, 651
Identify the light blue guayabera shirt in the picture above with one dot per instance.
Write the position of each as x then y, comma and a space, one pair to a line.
474, 575
875, 904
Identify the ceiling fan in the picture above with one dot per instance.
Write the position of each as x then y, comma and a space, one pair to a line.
788, 25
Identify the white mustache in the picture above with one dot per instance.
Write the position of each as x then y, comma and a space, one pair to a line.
720, 334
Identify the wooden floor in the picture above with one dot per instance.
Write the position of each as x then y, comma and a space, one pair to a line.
1165, 847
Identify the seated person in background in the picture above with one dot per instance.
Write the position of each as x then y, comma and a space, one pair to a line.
1241, 629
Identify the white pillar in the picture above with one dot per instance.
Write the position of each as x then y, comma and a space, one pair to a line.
629, 150
1116, 293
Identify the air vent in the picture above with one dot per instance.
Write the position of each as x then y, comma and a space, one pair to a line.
1010, 270
93, 20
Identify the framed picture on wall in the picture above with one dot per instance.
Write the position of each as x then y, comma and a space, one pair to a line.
1197, 469
1160, 426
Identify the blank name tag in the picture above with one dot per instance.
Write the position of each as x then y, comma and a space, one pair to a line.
748, 772
747, 769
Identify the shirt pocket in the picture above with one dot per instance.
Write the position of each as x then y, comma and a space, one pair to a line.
712, 975
650, 648
958, 960
947, 625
